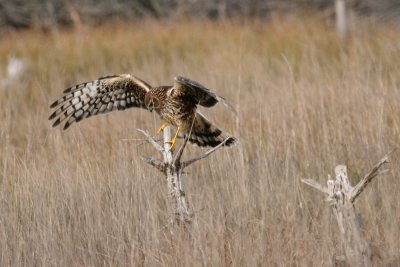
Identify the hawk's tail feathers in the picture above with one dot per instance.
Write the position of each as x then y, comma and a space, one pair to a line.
204, 133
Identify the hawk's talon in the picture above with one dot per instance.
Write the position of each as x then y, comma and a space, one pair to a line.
165, 124
172, 143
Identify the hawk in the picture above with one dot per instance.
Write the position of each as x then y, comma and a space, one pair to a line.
177, 105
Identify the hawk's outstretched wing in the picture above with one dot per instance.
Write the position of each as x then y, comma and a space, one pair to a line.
103, 95
200, 94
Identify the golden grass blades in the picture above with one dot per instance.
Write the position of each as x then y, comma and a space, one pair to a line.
305, 104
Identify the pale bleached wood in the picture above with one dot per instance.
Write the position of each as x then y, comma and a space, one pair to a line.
341, 196
172, 167
155, 163
152, 141
315, 184
368, 178
174, 180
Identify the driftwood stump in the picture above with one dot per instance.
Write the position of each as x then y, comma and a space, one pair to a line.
172, 167
341, 195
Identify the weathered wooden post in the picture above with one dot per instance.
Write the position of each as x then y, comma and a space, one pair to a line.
341, 19
172, 167
341, 195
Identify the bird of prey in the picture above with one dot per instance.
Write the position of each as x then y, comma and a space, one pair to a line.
177, 105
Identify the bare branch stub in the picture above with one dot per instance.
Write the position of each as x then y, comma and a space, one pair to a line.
368, 178
155, 163
316, 185
202, 156
152, 141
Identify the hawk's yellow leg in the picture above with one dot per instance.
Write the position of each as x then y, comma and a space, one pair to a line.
165, 124
173, 141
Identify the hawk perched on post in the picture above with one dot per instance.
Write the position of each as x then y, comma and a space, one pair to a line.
175, 104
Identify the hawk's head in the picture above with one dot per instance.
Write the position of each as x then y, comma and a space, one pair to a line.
150, 101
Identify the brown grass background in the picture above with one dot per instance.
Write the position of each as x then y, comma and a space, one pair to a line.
306, 102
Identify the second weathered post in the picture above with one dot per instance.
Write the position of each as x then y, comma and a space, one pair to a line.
341, 195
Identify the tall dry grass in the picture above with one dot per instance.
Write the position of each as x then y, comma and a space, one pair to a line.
305, 104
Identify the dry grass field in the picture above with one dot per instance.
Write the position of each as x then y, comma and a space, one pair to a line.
306, 102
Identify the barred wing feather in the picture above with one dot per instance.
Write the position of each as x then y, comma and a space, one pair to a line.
100, 96
204, 133
199, 93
